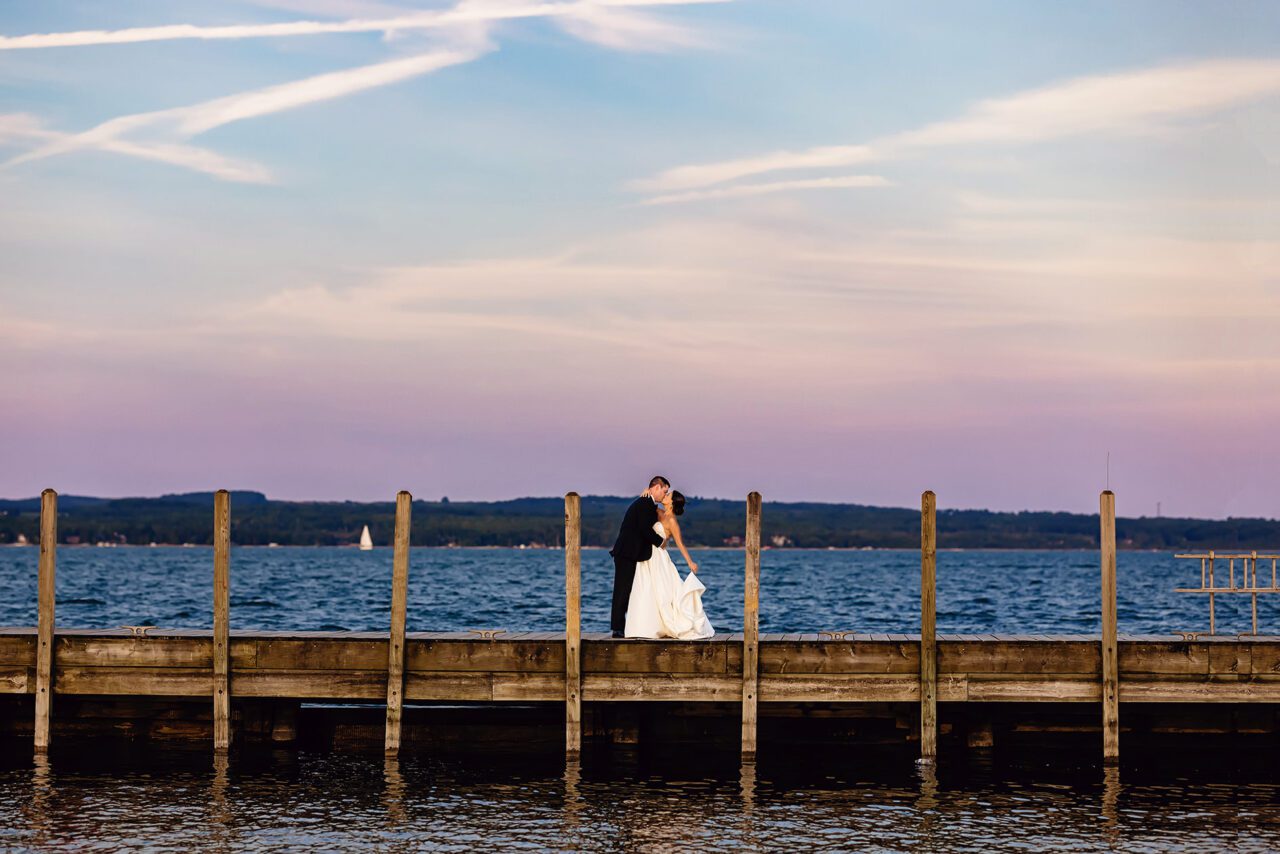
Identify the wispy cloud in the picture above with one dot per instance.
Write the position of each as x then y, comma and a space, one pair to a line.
742, 190
788, 303
21, 126
26, 127
24, 333
626, 29
601, 14
1107, 103
343, 9
186, 122
705, 174
466, 26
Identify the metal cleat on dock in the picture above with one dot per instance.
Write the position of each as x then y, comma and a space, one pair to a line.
835, 636
138, 631
1189, 636
487, 634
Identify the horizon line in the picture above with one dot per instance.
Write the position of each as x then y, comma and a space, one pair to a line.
446, 500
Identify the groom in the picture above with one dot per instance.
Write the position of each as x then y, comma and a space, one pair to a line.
635, 543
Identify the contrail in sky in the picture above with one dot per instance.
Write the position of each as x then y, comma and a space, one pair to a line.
463, 13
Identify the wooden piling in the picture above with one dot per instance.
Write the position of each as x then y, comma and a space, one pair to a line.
572, 624
1253, 584
1213, 623
45, 617
751, 628
1110, 656
221, 620
399, 608
928, 628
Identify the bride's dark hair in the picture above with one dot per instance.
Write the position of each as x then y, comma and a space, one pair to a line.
677, 503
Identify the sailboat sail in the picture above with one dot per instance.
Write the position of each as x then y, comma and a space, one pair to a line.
366, 541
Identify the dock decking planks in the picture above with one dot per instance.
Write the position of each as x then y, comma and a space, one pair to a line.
453, 666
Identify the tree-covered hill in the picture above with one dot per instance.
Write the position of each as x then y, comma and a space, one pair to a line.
257, 520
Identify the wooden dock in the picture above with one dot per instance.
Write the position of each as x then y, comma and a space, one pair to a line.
572, 668
530, 667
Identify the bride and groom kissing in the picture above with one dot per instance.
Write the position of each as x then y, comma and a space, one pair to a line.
649, 598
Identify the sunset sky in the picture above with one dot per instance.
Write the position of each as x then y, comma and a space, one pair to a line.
829, 250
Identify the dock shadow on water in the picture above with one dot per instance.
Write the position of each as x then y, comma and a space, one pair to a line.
125, 797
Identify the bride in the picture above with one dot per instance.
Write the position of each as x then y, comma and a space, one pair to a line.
661, 604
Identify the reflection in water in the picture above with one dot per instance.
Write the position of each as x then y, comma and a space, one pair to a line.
37, 814
299, 801
747, 786
572, 800
1111, 802
747, 791
393, 792
219, 814
927, 803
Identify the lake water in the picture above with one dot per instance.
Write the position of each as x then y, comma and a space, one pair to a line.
299, 801
515, 589
112, 797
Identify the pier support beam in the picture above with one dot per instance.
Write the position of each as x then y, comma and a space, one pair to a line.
221, 620
45, 617
399, 608
751, 628
572, 625
1110, 655
928, 628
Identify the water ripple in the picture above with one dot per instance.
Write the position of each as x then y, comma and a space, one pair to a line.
285, 801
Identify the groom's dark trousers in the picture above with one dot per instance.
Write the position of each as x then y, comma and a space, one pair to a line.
636, 539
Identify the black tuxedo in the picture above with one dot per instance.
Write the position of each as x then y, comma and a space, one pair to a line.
636, 539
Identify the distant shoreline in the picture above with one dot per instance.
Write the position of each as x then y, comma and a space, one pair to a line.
178, 520
355, 548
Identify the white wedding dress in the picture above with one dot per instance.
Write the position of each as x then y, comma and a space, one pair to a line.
663, 606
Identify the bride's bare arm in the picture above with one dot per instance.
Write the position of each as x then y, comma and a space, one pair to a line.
673, 528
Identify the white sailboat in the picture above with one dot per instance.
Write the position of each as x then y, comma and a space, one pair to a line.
366, 541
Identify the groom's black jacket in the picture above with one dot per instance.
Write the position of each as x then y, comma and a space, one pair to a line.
637, 538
